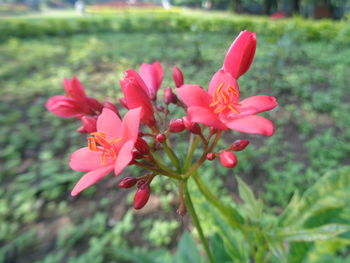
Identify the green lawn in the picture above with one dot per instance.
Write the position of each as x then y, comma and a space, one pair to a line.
310, 79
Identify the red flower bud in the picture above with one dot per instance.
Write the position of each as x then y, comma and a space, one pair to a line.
136, 154
239, 145
141, 197
178, 77
159, 108
191, 126
142, 146
169, 96
210, 156
160, 137
176, 125
186, 122
127, 182
89, 123
228, 159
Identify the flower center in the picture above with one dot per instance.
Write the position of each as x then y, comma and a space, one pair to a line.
99, 143
225, 99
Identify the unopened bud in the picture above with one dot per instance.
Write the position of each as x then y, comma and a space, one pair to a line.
160, 137
159, 108
176, 125
228, 159
239, 145
191, 126
127, 182
141, 197
212, 130
210, 156
89, 124
142, 146
169, 96
178, 77
136, 154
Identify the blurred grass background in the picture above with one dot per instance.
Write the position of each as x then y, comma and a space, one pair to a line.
305, 64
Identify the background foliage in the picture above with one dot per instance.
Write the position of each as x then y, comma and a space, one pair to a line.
304, 64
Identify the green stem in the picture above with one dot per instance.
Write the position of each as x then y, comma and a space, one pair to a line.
233, 218
191, 148
197, 224
172, 156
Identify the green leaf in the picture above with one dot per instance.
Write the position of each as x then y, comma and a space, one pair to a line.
187, 251
252, 206
329, 192
319, 233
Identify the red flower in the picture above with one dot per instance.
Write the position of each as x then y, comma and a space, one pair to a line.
136, 95
110, 148
75, 104
152, 75
240, 55
221, 106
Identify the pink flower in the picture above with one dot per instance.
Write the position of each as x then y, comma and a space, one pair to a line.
152, 75
240, 55
136, 95
75, 104
110, 148
221, 106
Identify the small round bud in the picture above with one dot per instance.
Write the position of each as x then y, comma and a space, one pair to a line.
191, 126
127, 182
178, 77
136, 154
211, 156
160, 137
142, 146
228, 159
239, 145
141, 197
176, 125
159, 108
169, 96
212, 130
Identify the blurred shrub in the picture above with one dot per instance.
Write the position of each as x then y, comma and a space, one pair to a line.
169, 21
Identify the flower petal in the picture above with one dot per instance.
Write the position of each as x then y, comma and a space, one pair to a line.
252, 124
206, 117
224, 79
63, 107
194, 95
109, 123
152, 75
256, 104
241, 54
74, 89
124, 157
136, 96
130, 125
85, 160
91, 178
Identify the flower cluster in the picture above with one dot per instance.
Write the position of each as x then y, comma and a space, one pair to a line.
143, 137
